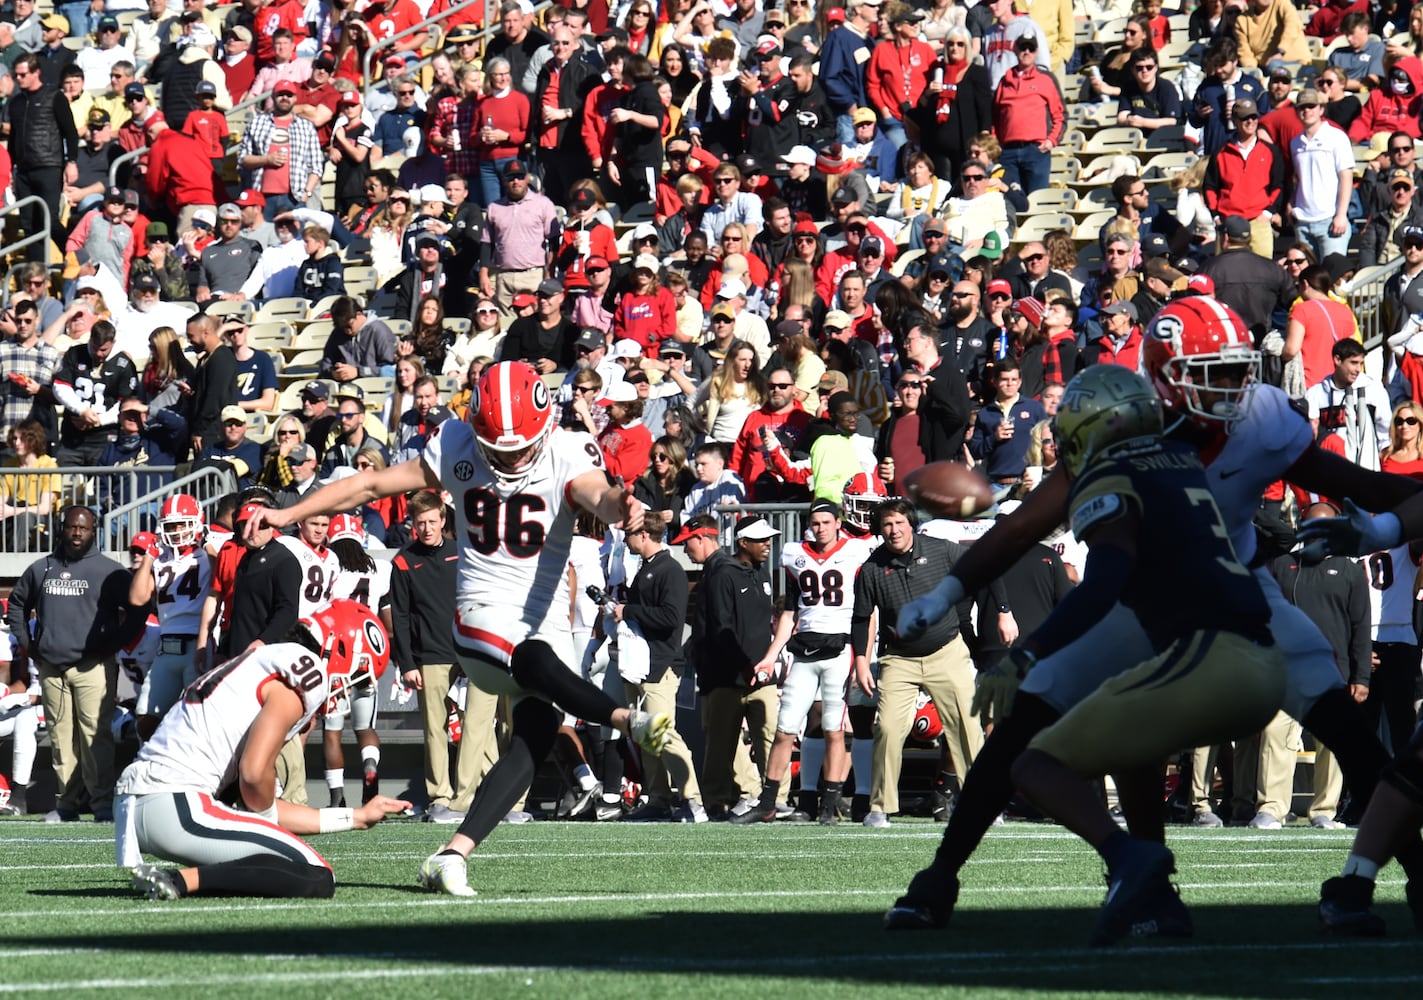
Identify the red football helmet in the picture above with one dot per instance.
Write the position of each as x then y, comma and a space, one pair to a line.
863, 492
354, 647
345, 526
512, 416
1187, 346
927, 724
180, 522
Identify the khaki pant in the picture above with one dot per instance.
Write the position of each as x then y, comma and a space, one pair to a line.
78, 707
1265, 766
1262, 237
478, 749
507, 284
727, 774
674, 764
291, 770
1201, 774
948, 675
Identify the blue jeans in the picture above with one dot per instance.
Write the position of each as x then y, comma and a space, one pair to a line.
1027, 166
844, 130
82, 20
1316, 236
893, 130
491, 180
279, 203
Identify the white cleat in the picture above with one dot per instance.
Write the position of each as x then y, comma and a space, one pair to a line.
651, 732
445, 873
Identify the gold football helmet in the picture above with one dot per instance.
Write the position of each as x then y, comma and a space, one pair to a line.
1104, 407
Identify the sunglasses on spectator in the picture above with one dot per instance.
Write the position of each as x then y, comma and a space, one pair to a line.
1402, 421
1247, 118
781, 385
1145, 67
350, 415
858, 230
585, 389
962, 295
805, 239
909, 384
973, 178
1296, 261
932, 235
288, 433
1395, 150
1413, 244
363, 464
832, 331
487, 309
663, 457
956, 45
998, 295
1033, 258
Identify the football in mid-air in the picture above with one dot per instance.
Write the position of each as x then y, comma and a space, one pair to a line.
948, 489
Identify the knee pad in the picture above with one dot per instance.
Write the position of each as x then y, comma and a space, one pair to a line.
1405, 775
536, 722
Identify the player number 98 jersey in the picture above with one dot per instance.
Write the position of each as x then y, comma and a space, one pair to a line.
514, 538
823, 584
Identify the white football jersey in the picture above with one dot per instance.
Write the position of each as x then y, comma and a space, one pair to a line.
586, 561
135, 659
371, 589
319, 570
515, 537
181, 582
199, 741
1256, 453
823, 583
1391, 585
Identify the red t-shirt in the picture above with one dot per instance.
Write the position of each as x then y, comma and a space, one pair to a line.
278, 180
269, 20
391, 19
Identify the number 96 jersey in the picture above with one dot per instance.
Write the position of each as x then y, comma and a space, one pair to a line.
514, 537
822, 584
197, 744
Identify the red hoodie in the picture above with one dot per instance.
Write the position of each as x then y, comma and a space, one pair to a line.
1386, 111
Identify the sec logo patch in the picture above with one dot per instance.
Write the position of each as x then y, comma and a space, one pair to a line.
464, 471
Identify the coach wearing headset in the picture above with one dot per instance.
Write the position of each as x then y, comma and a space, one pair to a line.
78, 600
905, 567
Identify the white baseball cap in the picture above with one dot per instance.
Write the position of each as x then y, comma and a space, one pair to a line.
731, 288
433, 192
754, 529
800, 154
625, 349
648, 262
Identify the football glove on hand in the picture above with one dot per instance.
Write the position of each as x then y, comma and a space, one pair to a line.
916, 616
999, 683
1355, 533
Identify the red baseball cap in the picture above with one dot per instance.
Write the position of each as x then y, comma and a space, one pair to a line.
523, 299
251, 197
835, 15
690, 532
1200, 284
247, 511
145, 541
1000, 286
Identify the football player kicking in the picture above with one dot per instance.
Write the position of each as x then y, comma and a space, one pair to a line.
517, 483
228, 727
1216, 674
1199, 356
1395, 813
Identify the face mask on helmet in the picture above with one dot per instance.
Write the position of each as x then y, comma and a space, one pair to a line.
180, 523
1202, 360
512, 416
353, 646
861, 496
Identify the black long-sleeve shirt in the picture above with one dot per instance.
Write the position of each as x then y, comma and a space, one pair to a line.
422, 604
731, 627
266, 597
657, 604
1335, 596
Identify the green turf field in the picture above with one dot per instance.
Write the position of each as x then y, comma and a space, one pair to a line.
571, 910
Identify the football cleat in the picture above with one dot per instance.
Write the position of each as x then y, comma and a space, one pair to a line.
926, 904
756, 814
370, 781
158, 883
446, 873
829, 813
651, 732
1345, 908
1135, 902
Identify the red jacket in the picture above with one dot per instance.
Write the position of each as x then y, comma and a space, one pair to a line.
1386, 111
748, 457
1246, 186
626, 449
756, 275
898, 75
1326, 20
597, 135
647, 319
180, 173
1027, 107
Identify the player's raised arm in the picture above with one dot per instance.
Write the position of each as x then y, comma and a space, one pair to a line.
986, 559
350, 493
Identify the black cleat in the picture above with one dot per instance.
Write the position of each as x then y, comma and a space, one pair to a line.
941, 804
1136, 895
370, 781
1345, 907
926, 904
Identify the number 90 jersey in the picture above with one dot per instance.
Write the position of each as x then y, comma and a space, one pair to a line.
197, 744
822, 584
514, 537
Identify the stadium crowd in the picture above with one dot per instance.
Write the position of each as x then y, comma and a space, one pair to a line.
758, 253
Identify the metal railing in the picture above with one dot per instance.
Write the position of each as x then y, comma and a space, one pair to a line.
1367, 301
42, 237
131, 156
787, 518
368, 61
208, 484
